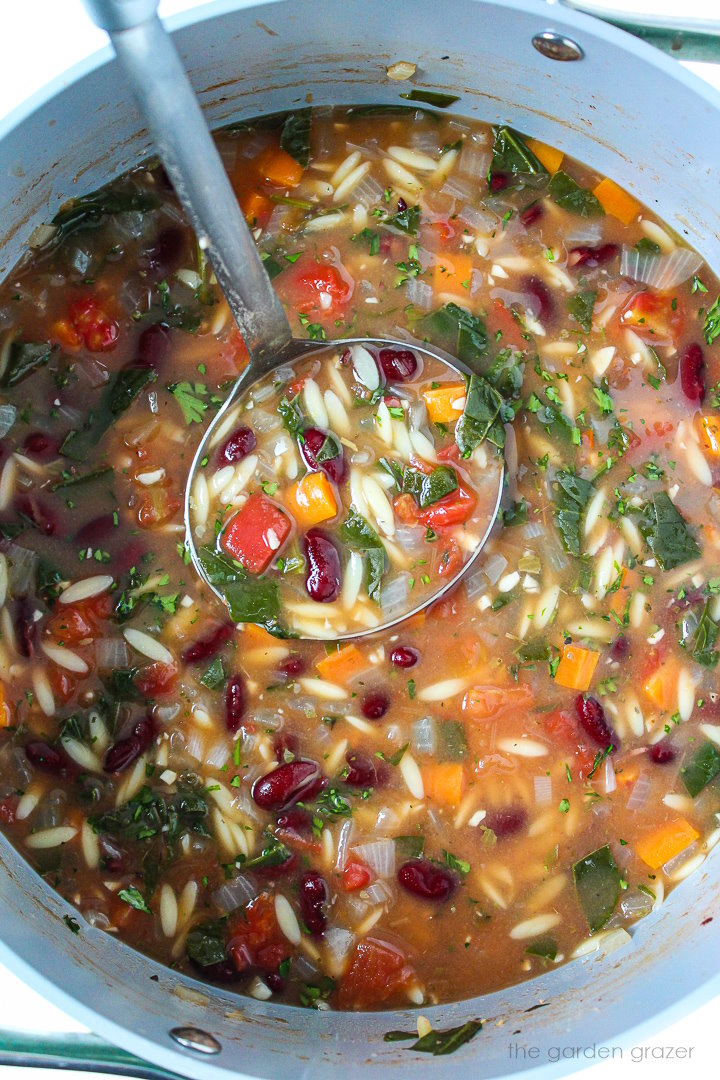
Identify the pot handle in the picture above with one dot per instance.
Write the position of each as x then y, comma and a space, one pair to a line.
78, 1051
685, 39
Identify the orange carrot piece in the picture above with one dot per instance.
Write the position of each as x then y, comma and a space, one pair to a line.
576, 668
661, 687
312, 499
343, 665
708, 429
486, 701
549, 156
256, 208
444, 782
615, 201
279, 169
5, 714
441, 403
663, 844
255, 637
452, 274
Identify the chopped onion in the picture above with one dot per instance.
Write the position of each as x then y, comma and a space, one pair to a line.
494, 566
378, 893
660, 271
303, 968
608, 778
527, 301
419, 293
457, 189
97, 373
342, 844
585, 234
475, 584
8, 414
533, 529
234, 893
393, 597
368, 192
543, 790
217, 755
112, 653
555, 555
379, 856
480, 220
639, 793
369, 151
636, 905
424, 735
339, 941
673, 865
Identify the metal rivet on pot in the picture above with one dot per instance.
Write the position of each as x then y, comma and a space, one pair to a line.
556, 46
193, 1038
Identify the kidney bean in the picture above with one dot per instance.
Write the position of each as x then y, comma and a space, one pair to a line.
426, 880
37, 513
591, 715
291, 666
505, 821
499, 181
287, 785
663, 752
375, 704
165, 253
153, 347
208, 646
26, 627
592, 257
692, 373
532, 214
364, 771
44, 757
112, 857
314, 440
222, 972
93, 532
324, 576
295, 825
538, 289
401, 205
124, 752
241, 443
275, 982
286, 746
235, 703
403, 656
314, 897
620, 648
38, 444
398, 365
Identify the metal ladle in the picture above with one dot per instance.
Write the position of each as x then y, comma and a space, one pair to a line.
175, 121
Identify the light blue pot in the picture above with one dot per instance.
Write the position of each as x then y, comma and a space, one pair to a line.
630, 112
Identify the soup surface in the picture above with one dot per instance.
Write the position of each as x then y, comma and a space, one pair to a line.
498, 785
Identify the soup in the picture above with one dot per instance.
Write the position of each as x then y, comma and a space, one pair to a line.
504, 782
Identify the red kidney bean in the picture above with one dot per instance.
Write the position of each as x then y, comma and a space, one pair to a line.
314, 897
533, 213
291, 666
313, 441
235, 703
296, 825
38, 513
403, 656
112, 857
165, 253
38, 444
241, 443
123, 753
44, 757
426, 880
92, 532
692, 373
275, 982
324, 576
26, 627
362, 771
208, 646
398, 364
375, 704
592, 257
222, 972
538, 289
288, 784
286, 746
506, 821
591, 715
499, 181
663, 752
620, 648
401, 205
153, 347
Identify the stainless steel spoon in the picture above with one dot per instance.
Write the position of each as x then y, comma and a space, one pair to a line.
185, 146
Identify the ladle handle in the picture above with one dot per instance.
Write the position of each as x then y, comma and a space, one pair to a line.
175, 120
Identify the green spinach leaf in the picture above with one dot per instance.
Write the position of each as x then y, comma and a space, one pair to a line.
25, 358
568, 194
295, 136
667, 533
597, 886
702, 767
571, 494
359, 535
581, 306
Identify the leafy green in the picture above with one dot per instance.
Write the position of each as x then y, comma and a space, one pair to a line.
360, 536
428, 488
544, 947
462, 866
452, 741
274, 853
706, 635
91, 209
129, 382
181, 316
25, 358
405, 221
249, 597
152, 813
517, 514
571, 494
438, 1042
409, 847
75, 479
465, 334
510, 155
189, 397
534, 650
711, 330
667, 533
649, 247
480, 418
431, 97
292, 417
703, 766
295, 136
568, 194
271, 266
597, 885
215, 675
134, 898
580, 306
205, 944
506, 374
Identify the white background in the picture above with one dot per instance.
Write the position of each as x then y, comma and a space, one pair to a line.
38, 40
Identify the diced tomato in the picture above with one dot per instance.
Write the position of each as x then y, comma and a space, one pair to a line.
563, 730
72, 623
443, 229
91, 322
63, 684
8, 806
651, 660
356, 875
256, 533
453, 509
155, 680
502, 319
450, 558
232, 358
257, 209
255, 939
157, 506
451, 452
316, 288
378, 971
652, 314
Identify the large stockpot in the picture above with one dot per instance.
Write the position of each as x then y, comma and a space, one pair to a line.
628, 111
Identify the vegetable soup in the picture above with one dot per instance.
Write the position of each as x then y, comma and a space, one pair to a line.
502, 783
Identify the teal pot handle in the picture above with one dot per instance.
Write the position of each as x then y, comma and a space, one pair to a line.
685, 39
71, 1050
